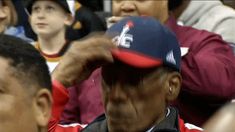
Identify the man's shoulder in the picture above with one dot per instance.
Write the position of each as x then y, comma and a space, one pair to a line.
189, 36
195, 33
98, 125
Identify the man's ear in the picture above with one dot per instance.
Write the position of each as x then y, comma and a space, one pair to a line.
69, 20
173, 86
42, 107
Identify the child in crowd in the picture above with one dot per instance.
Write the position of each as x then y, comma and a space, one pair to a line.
49, 20
9, 20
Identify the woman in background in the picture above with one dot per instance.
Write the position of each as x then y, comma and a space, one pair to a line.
8, 16
9, 19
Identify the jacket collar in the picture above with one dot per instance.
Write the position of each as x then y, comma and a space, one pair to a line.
169, 124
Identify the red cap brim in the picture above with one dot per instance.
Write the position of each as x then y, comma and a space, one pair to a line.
135, 59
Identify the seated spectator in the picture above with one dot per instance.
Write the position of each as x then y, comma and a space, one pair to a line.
223, 120
208, 63
9, 20
48, 20
139, 77
212, 16
25, 85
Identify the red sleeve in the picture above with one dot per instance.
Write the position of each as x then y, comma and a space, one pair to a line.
208, 70
186, 127
60, 98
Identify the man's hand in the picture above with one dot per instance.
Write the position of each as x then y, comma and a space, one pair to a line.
113, 19
82, 58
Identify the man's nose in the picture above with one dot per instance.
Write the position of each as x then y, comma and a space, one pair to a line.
128, 6
117, 93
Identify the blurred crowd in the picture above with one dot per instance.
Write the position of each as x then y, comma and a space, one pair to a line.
148, 65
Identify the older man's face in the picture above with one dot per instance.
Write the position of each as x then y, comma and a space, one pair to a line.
16, 108
134, 99
154, 8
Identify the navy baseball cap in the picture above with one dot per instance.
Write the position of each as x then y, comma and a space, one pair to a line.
143, 42
63, 3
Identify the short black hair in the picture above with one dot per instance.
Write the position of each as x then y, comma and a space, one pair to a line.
31, 68
173, 4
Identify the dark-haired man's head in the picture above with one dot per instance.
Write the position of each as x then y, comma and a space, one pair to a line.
25, 86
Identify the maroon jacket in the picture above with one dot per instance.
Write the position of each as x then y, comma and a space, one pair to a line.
208, 72
84, 103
